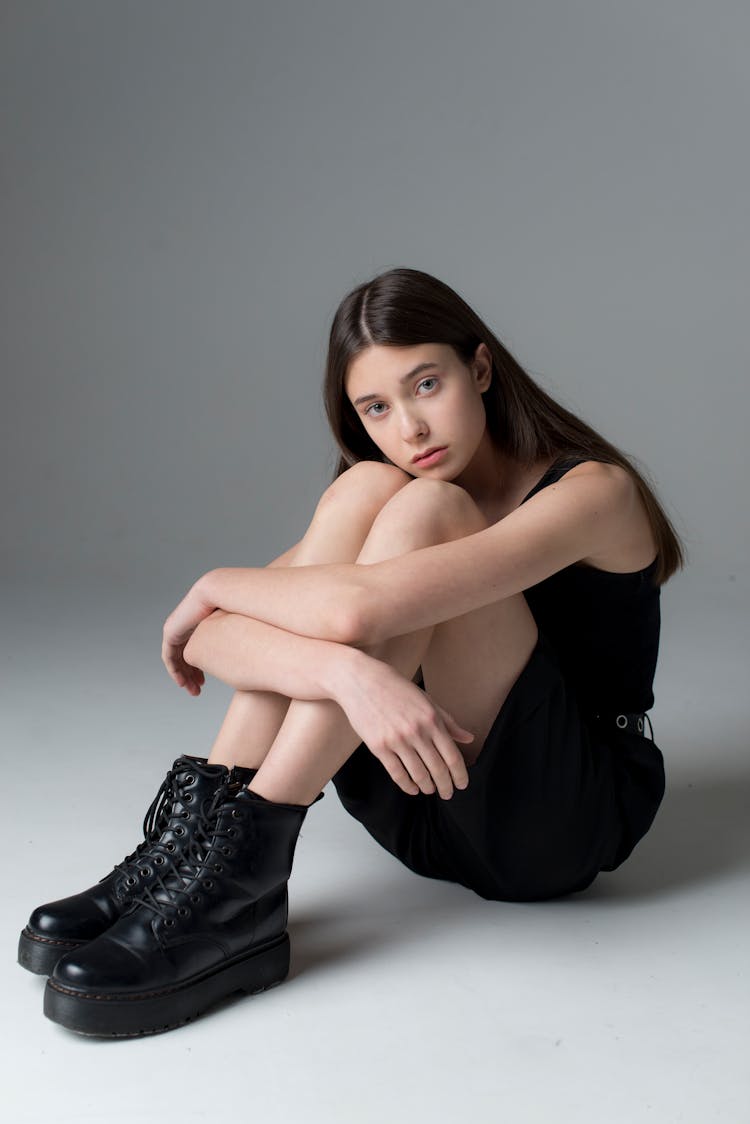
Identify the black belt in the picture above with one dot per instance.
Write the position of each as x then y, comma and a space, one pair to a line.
634, 721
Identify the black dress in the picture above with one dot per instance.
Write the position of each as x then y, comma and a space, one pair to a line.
558, 792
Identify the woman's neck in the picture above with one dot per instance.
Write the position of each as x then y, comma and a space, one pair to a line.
496, 482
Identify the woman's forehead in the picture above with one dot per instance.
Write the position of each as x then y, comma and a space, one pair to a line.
393, 364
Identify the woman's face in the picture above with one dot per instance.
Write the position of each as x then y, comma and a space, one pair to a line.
411, 399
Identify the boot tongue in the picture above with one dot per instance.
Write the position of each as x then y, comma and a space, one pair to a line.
243, 773
194, 786
186, 763
201, 765
186, 864
225, 793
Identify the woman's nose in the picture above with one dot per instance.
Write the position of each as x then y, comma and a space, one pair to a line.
412, 427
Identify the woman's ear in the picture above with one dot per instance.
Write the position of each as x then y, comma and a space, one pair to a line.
482, 365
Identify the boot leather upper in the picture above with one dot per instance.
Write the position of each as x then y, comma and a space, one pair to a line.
223, 895
85, 915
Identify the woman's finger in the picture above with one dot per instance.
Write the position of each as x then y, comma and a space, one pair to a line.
426, 766
459, 732
444, 761
453, 759
192, 676
438, 768
417, 768
398, 774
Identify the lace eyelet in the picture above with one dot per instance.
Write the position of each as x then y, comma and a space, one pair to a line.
218, 868
208, 884
185, 815
159, 860
130, 881
179, 830
187, 798
183, 912
171, 847
237, 814
195, 899
232, 832
190, 779
145, 871
227, 851
170, 922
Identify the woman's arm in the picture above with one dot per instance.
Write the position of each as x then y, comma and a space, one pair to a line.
251, 655
195, 613
393, 717
358, 605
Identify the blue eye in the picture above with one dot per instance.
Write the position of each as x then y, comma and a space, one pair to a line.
431, 378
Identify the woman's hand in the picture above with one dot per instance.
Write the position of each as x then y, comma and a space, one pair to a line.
411, 735
178, 628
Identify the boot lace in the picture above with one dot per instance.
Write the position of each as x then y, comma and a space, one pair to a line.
195, 858
154, 823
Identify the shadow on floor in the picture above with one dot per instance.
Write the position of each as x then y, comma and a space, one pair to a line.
701, 833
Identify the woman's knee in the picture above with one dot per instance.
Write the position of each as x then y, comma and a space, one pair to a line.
447, 507
367, 484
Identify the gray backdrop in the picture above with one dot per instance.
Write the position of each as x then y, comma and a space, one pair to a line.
189, 189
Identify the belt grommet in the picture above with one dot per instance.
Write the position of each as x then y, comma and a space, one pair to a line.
621, 721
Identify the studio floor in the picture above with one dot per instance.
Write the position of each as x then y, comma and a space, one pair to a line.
408, 999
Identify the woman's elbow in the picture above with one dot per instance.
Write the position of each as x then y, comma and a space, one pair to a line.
355, 626
195, 651
192, 652
340, 615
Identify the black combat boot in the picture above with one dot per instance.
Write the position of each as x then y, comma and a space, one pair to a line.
213, 922
61, 926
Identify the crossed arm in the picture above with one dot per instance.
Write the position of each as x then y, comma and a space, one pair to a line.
357, 604
366, 604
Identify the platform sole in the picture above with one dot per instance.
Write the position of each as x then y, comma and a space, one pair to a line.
40, 954
119, 1016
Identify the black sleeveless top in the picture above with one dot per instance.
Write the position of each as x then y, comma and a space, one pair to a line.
604, 626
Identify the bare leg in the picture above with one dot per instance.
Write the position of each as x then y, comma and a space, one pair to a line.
316, 738
251, 723
337, 533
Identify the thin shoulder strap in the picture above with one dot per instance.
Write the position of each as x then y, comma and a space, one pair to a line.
557, 469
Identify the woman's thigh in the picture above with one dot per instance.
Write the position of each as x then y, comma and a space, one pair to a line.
473, 660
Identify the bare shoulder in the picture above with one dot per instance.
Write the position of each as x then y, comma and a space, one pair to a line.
589, 516
599, 468
632, 545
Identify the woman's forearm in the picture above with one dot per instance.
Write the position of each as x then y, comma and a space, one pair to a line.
248, 654
319, 601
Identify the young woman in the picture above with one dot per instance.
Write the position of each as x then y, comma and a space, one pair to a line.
464, 641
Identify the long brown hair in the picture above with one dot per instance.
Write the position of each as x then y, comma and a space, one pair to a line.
406, 307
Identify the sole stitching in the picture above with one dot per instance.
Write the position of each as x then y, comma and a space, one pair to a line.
48, 940
115, 998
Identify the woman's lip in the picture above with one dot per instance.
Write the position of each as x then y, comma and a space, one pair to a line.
434, 456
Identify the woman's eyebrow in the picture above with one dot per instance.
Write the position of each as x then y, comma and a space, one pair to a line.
403, 379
